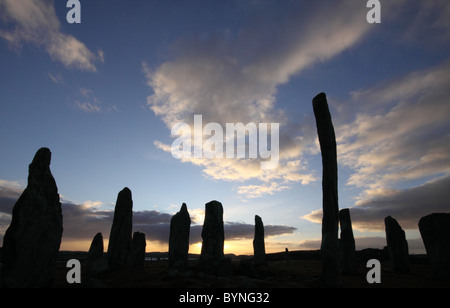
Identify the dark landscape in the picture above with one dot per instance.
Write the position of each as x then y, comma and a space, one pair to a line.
302, 269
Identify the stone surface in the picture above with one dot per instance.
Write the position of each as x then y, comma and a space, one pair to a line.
330, 245
96, 262
435, 232
121, 229
212, 260
259, 249
136, 256
31, 243
397, 245
348, 262
180, 225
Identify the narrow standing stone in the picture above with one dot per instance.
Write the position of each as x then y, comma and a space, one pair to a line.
259, 249
397, 245
330, 244
347, 244
31, 243
180, 225
121, 229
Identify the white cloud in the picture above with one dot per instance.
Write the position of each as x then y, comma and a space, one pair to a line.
36, 23
231, 78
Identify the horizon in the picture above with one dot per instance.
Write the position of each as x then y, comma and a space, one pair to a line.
104, 96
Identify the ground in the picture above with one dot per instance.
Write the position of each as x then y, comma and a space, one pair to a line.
277, 274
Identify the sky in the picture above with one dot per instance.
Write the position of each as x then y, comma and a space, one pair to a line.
104, 94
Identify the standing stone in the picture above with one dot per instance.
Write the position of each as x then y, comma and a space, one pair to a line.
397, 245
96, 263
435, 232
120, 236
180, 225
347, 244
259, 249
136, 257
330, 245
212, 260
31, 243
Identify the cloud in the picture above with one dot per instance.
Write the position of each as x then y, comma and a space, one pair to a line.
406, 206
89, 102
82, 221
396, 147
56, 78
36, 22
232, 77
400, 131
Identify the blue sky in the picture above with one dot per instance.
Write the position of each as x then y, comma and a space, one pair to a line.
103, 95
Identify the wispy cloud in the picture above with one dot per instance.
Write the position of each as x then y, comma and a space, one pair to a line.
233, 77
56, 78
400, 132
89, 102
36, 22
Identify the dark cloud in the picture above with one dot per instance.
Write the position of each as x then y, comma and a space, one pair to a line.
406, 206
81, 222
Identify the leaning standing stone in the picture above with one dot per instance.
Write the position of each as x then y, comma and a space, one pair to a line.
31, 243
329, 248
397, 245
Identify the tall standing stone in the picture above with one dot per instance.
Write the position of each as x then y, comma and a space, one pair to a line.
121, 229
31, 243
347, 244
212, 259
180, 225
259, 249
330, 245
435, 232
397, 245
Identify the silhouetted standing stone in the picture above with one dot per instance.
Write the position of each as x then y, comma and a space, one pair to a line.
96, 262
397, 245
136, 257
31, 243
435, 232
347, 244
212, 260
259, 249
120, 236
330, 245
180, 225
